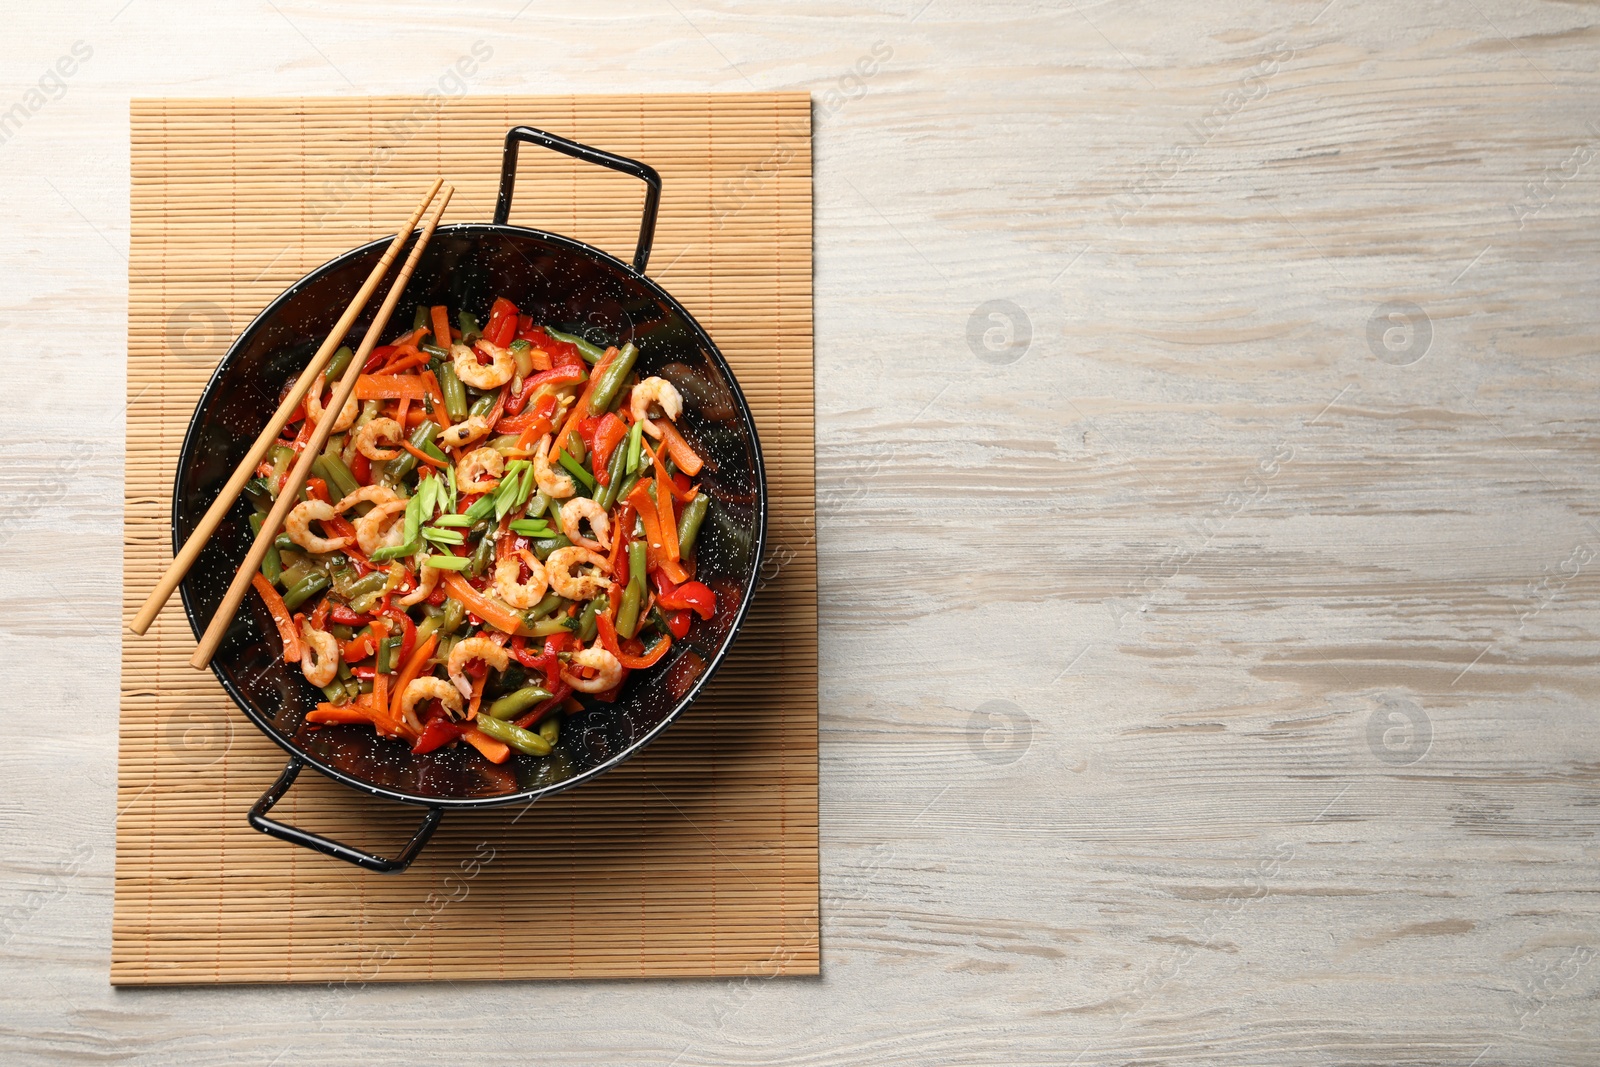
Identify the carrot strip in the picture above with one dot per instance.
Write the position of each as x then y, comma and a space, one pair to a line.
421, 455
477, 694
493, 751
492, 612
390, 387
440, 416
441, 326
401, 409
669, 524
412, 669
329, 714
682, 454
571, 421
293, 647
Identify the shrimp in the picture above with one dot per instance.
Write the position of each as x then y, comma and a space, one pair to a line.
608, 668
479, 470
464, 433
563, 568
551, 482
380, 527
320, 660
315, 411
483, 375
659, 391
367, 494
385, 430
467, 651
427, 582
575, 511
509, 585
298, 526
428, 688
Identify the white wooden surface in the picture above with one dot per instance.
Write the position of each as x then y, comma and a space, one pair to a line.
1204, 681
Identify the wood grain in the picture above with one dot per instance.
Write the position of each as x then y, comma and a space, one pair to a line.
1147, 879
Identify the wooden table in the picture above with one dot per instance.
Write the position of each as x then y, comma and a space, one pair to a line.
1207, 526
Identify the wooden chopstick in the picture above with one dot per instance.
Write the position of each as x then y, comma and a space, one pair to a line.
247, 467
289, 495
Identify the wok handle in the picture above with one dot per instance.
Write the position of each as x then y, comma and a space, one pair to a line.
644, 172
305, 839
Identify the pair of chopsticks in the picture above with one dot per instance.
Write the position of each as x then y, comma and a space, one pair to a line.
289, 495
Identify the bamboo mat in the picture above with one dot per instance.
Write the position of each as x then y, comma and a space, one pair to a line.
697, 858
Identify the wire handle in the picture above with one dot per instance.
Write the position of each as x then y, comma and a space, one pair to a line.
642, 171
326, 845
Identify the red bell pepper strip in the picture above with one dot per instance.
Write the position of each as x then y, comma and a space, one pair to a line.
678, 622
554, 378
361, 469
436, 734
690, 596
364, 645
559, 692
379, 357
501, 329
341, 614
408, 635
293, 646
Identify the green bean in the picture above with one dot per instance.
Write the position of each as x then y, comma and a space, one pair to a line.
633, 595
271, 563
455, 613
338, 472
609, 384
628, 483
479, 560
614, 476
551, 602
484, 404
335, 691
436, 352
369, 583
546, 545
550, 729
337, 365
420, 319
470, 330
405, 463
283, 541
341, 631
386, 650
305, 589
515, 736
635, 446
455, 394
344, 671
513, 704
587, 626
694, 513
281, 458
588, 350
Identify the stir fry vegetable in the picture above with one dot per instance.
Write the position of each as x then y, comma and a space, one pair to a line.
503, 523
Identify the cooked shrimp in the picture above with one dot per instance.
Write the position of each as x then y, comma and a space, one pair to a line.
565, 570
381, 527
551, 482
368, 494
320, 660
427, 582
657, 391
386, 430
483, 375
479, 470
511, 587
464, 433
574, 512
467, 651
298, 526
315, 410
598, 659
428, 688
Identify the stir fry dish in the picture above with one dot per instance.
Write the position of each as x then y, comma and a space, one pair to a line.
504, 518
